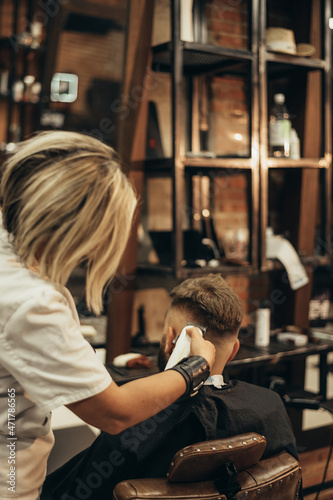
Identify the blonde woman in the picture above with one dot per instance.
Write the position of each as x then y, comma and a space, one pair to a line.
64, 200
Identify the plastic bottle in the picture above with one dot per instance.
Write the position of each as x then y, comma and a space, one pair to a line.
262, 331
279, 128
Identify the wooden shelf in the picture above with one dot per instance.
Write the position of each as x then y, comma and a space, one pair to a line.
191, 272
200, 58
296, 61
301, 163
164, 166
219, 162
319, 260
232, 269
21, 103
6, 42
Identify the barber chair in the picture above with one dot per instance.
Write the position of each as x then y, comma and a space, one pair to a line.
222, 469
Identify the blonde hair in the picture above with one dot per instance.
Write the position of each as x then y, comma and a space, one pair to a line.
211, 302
66, 200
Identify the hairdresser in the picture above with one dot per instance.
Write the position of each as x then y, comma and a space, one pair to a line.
64, 200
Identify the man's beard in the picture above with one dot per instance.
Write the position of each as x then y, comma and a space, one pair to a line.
162, 357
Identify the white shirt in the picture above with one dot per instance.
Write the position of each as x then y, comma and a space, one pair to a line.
45, 361
216, 380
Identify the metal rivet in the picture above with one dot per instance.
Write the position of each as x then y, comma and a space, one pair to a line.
168, 474
246, 494
254, 439
244, 442
292, 474
181, 454
281, 481
300, 469
213, 448
299, 481
197, 449
229, 446
171, 464
270, 486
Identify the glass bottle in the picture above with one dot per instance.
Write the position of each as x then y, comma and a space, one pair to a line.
279, 129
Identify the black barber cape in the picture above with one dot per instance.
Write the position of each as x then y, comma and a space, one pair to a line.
146, 449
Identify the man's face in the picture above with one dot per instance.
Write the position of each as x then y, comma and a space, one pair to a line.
162, 355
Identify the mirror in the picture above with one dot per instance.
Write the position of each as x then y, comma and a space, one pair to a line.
84, 69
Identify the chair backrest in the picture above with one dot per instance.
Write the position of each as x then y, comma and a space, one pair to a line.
222, 469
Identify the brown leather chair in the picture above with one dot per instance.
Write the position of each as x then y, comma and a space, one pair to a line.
223, 469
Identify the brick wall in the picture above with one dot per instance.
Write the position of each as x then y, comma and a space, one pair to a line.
229, 116
227, 23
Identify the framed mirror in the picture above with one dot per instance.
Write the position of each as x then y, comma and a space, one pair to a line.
85, 67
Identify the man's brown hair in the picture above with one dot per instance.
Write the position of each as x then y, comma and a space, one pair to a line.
211, 302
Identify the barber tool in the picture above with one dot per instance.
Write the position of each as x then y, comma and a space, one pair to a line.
183, 345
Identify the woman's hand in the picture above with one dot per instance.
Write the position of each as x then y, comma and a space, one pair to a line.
200, 346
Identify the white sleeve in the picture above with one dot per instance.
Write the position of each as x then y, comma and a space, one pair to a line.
43, 348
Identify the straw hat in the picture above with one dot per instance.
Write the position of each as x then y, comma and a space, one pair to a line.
283, 40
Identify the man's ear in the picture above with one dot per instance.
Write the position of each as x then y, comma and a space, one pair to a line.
171, 334
234, 350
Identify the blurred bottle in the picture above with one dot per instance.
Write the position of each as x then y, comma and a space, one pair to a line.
295, 151
279, 128
319, 309
263, 322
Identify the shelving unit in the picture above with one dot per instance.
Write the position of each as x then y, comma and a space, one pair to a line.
265, 73
308, 88
186, 62
21, 58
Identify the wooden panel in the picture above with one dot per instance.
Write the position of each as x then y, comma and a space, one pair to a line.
310, 178
313, 464
131, 146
